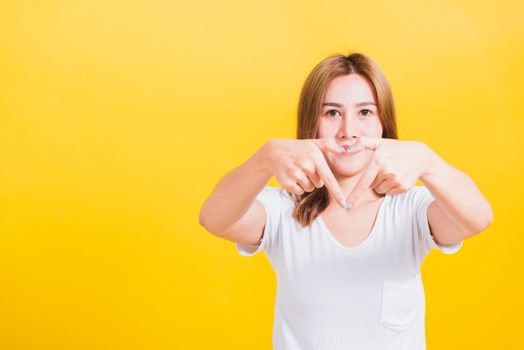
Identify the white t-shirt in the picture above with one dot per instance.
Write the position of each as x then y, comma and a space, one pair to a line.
332, 297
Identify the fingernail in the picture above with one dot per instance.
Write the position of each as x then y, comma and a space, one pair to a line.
345, 149
344, 205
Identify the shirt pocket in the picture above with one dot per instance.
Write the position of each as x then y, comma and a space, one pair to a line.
401, 302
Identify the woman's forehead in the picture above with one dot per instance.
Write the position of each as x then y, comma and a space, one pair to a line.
349, 90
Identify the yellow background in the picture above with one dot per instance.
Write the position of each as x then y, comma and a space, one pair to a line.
117, 119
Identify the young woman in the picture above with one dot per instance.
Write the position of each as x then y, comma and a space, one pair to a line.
347, 232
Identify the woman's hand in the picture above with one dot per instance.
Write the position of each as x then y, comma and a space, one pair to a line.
300, 166
395, 167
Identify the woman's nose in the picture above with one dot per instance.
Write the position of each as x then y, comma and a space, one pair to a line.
349, 128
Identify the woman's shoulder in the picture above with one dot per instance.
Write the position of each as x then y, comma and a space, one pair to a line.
276, 200
413, 191
276, 194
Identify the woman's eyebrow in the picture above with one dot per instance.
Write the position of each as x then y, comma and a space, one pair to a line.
360, 104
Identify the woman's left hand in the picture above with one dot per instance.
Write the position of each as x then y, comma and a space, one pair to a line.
395, 167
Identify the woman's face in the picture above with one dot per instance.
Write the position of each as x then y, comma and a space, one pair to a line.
349, 109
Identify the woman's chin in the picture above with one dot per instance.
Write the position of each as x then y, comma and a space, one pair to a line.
348, 172
348, 168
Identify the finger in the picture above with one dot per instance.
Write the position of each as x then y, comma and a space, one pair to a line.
363, 183
328, 144
330, 181
315, 179
305, 184
308, 168
381, 177
369, 143
294, 188
386, 186
396, 190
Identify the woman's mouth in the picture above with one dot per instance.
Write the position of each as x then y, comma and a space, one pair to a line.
347, 146
347, 149
348, 154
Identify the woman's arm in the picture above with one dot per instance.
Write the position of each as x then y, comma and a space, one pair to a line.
234, 194
459, 210
298, 165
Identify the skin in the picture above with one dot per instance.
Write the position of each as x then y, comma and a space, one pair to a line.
356, 181
384, 166
349, 121
347, 118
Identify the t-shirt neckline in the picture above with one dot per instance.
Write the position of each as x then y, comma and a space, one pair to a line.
371, 234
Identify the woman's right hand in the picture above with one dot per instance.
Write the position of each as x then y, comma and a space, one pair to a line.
300, 166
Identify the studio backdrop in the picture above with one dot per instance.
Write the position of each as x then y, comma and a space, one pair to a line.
118, 118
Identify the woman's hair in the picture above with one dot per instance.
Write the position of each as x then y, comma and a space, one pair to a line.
310, 204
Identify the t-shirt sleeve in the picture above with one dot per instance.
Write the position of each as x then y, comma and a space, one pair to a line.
271, 199
423, 199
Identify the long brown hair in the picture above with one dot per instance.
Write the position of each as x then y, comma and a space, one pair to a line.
310, 204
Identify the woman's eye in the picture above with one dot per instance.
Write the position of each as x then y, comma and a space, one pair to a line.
331, 114
366, 112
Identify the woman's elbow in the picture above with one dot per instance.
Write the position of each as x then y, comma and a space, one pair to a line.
202, 218
487, 220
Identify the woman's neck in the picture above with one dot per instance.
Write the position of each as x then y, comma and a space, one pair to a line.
347, 185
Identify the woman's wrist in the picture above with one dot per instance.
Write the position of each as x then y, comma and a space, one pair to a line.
434, 165
262, 159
